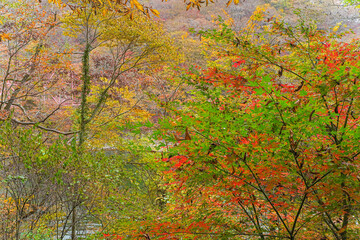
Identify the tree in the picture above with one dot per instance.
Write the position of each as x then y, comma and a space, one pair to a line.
34, 182
267, 144
138, 44
31, 67
34, 66
131, 7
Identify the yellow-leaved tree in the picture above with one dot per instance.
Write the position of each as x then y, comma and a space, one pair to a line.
116, 53
114, 49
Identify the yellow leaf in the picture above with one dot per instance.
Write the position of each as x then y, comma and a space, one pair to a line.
184, 36
188, 6
337, 26
104, 12
236, 2
228, 3
155, 12
5, 36
138, 5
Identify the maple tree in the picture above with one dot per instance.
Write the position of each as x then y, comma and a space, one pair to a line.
271, 138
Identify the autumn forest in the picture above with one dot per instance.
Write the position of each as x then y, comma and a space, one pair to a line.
195, 119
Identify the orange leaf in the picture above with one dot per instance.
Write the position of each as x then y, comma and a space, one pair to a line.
155, 12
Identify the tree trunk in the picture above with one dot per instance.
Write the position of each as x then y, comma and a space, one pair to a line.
84, 109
